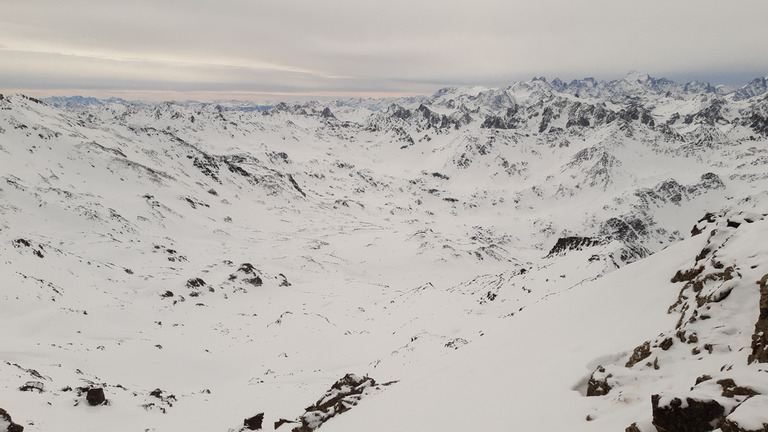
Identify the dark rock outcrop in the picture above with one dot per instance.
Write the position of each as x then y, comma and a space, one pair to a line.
709, 115
33, 386
165, 398
249, 270
730, 389
760, 337
692, 416
637, 112
327, 114
435, 120
640, 353
207, 165
565, 244
598, 382
296, 185
758, 123
254, 423
95, 396
343, 395
195, 283
506, 121
11, 426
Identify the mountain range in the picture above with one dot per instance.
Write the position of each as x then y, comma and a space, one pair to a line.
545, 256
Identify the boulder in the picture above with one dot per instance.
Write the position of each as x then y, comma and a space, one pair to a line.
95, 396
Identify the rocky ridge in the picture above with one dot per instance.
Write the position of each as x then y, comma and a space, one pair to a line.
717, 342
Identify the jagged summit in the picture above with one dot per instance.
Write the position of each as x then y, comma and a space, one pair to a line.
755, 88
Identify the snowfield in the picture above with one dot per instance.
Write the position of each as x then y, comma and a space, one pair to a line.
548, 256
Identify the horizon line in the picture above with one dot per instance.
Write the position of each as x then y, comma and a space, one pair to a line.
208, 96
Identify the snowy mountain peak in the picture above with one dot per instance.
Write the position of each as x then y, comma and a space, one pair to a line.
756, 87
637, 77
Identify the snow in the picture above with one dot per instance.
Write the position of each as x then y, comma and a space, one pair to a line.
377, 257
522, 373
750, 415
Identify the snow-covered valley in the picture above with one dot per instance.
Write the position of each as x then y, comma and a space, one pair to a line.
537, 257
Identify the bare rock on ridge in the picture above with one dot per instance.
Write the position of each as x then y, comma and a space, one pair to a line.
343, 395
691, 415
254, 423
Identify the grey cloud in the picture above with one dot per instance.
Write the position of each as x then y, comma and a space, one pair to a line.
355, 46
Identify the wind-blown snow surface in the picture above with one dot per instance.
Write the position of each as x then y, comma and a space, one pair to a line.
472, 246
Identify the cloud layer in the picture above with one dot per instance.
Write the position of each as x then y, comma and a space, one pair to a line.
362, 47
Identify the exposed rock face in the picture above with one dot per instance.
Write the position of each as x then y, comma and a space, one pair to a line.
598, 382
195, 283
715, 303
757, 87
760, 337
327, 114
434, 120
697, 229
565, 244
692, 416
506, 121
641, 353
254, 423
626, 230
249, 270
296, 186
758, 123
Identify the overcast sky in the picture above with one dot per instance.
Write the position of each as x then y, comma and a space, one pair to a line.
272, 49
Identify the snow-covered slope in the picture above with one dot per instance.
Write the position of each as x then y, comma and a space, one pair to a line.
487, 256
567, 362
